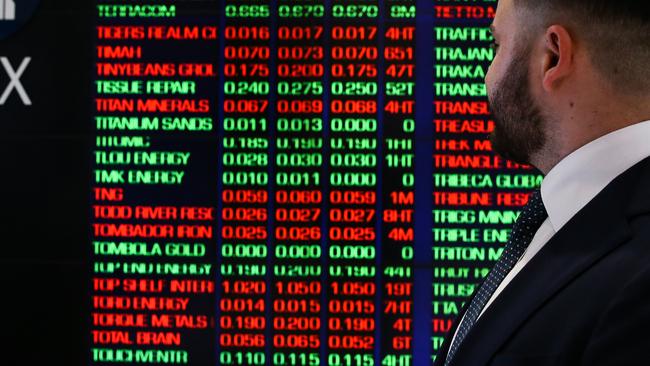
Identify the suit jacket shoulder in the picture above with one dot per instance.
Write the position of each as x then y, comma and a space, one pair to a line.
581, 299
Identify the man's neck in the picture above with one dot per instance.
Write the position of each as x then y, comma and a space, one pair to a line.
579, 127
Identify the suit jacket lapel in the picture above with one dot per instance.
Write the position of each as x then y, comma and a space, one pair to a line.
596, 230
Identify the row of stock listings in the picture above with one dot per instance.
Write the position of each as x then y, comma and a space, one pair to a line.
254, 194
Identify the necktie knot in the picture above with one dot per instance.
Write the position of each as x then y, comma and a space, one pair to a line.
533, 213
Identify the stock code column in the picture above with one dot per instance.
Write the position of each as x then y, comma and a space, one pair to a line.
153, 274
299, 180
245, 185
477, 195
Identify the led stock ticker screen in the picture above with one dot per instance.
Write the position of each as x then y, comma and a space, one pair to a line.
291, 182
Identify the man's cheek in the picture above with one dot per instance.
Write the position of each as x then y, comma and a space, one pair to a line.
489, 78
493, 77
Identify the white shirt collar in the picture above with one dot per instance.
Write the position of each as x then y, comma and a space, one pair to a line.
581, 175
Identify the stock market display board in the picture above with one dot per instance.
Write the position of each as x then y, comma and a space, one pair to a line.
291, 182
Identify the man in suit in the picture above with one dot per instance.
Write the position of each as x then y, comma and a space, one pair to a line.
570, 93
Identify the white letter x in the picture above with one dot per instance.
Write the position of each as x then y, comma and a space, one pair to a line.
15, 80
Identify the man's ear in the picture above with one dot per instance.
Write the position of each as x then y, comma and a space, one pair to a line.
558, 56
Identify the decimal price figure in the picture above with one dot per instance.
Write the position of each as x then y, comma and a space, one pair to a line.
354, 176
246, 177
300, 181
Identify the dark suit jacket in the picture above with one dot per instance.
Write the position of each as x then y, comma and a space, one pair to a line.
584, 299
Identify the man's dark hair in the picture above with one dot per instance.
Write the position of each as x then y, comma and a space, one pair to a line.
616, 33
